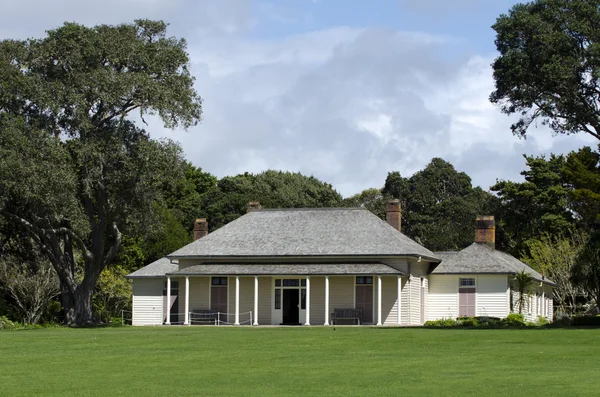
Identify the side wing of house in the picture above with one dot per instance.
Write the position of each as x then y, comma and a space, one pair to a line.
453, 295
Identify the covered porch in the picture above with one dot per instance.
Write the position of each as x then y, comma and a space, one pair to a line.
290, 294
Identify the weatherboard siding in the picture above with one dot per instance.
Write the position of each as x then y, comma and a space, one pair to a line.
341, 293
264, 300
147, 305
317, 300
389, 300
199, 293
442, 297
491, 296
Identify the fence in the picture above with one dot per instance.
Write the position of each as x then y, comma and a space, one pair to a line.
195, 318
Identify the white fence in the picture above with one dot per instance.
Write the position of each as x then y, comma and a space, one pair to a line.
195, 318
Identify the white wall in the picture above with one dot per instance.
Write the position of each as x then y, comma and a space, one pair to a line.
492, 297
147, 305
442, 300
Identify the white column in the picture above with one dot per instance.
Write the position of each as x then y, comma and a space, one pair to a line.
168, 321
255, 314
543, 313
398, 317
187, 300
326, 300
237, 300
307, 322
378, 300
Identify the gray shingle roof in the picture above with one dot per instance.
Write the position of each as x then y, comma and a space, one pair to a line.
480, 259
155, 269
288, 269
305, 232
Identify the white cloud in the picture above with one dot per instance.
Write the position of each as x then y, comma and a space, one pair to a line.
346, 105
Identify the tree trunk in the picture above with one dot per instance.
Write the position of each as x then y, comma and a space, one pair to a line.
78, 306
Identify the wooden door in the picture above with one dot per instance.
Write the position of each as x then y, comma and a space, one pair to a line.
466, 302
364, 301
218, 298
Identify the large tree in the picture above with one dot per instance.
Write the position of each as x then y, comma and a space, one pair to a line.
549, 65
439, 205
75, 169
539, 205
273, 189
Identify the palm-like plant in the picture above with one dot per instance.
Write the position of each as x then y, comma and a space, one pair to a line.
523, 282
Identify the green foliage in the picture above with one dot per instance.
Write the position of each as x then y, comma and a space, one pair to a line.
539, 205
439, 205
541, 321
371, 199
8, 325
442, 323
515, 319
582, 172
549, 65
113, 294
586, 272
523, 282
586, 321
555, 257
5, 323
75, 171
273, 189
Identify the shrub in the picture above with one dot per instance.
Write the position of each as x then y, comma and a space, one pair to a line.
467, 321
514, 319
5, 323
442, 323
542, 321
586, 321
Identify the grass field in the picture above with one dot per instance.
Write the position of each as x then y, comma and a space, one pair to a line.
299, 361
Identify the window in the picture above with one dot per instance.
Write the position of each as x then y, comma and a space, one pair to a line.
303, 282
364, 280
219, 281
303, 299
277, 299
278, 283
291, 283
467, 282
174, 287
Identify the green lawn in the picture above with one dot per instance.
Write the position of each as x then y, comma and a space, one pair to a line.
299, 361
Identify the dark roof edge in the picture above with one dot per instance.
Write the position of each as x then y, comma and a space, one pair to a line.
415, 256
392, 274
552, 283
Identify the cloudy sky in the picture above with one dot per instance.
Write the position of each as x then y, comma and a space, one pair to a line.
343, 90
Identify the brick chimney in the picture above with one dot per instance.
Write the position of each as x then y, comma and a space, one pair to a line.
253, 205
485, 231
393, 214
200, 228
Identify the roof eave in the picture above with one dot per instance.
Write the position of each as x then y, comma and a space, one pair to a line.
357, 256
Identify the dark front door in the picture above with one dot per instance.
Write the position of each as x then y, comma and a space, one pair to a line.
291, 309
364, 301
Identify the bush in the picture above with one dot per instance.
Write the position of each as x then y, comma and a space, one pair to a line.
542, 321
5, 323
514, 320
467, 321
586, 321
443, 323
